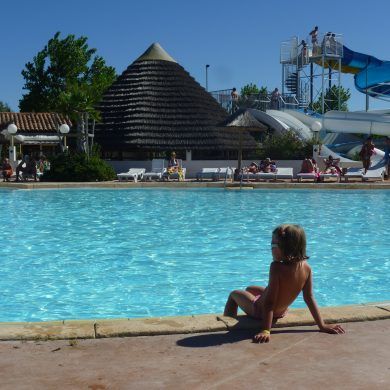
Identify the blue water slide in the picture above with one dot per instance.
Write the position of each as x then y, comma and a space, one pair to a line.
372, 76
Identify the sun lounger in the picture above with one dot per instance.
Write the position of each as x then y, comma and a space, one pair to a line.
207, 173
281, 173
353, 173
307, 176
133, 174
215, 173
225, 172
324, 176
157, 171
376, 172
284, 173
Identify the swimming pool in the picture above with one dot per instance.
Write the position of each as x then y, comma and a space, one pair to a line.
91, 253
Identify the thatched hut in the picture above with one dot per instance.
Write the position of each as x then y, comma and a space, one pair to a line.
155, 106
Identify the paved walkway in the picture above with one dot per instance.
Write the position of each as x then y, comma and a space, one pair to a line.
296, 358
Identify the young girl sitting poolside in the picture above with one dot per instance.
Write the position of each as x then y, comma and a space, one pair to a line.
289, 275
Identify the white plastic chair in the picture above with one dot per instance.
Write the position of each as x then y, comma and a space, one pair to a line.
157, 171
133, 174
207, 173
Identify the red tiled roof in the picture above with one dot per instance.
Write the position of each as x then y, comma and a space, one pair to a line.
37, 122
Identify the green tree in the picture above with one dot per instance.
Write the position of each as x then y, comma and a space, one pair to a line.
249, 96
249, 89
331, 100
4, 107
66, 76
286, 146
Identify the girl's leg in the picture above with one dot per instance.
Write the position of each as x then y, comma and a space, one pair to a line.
242, 299
255, 290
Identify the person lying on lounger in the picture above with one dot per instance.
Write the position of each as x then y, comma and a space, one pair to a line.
252, 168
268, 166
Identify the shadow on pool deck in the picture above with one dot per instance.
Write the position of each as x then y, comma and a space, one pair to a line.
214, 339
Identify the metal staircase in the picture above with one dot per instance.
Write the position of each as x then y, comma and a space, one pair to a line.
309, 71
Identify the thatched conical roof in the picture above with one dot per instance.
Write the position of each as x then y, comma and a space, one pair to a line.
245, 118
156, 105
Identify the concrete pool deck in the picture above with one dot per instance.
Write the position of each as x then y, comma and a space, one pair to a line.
297, 357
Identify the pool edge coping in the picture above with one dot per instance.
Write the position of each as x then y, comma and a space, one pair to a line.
202, 323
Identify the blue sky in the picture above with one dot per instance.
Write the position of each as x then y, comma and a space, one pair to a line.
239, 39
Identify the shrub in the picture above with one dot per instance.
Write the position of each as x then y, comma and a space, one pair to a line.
286, 146
78, 167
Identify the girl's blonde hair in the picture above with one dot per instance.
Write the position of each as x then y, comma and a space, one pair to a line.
291, 242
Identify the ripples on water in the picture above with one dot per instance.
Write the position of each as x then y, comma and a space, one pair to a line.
136, 253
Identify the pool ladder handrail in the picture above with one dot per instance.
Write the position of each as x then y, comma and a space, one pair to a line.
229, 169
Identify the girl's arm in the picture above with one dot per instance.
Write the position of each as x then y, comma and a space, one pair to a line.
270, 299
312, 305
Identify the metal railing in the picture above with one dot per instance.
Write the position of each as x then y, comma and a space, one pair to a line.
258, 101
224, 98
299, 53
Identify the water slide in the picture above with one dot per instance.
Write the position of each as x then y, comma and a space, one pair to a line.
277, 125
372, 76
302, 130
303, 126
370, 122
326, 151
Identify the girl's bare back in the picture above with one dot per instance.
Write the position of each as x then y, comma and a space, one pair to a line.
292, 278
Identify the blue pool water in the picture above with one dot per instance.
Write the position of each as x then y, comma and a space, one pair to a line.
137, 253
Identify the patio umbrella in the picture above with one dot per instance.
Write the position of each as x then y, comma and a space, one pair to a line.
244, 120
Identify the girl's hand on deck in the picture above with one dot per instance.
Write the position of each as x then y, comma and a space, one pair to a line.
332, 329
262, 337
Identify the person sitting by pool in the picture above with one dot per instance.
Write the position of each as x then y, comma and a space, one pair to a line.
268, 166
307, 166
332, 166
174, 167
7, 170
289, 274
28, 167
